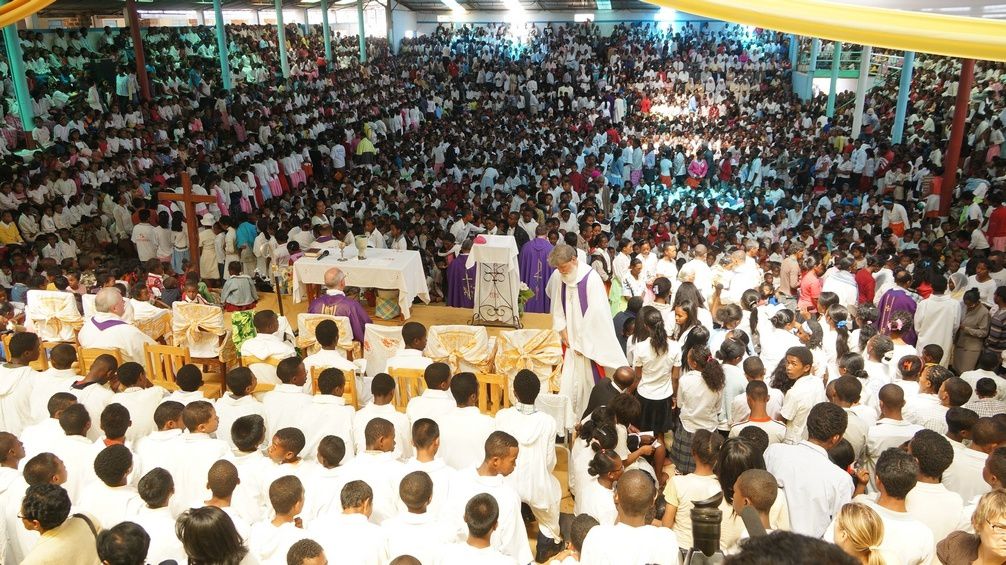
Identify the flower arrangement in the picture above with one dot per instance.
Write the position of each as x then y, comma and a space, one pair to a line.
523, 295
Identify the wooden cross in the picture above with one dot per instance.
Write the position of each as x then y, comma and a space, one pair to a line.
190, 201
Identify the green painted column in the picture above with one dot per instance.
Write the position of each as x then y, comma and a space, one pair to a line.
815, 50
835, 64
15, 60
327, 33
284, 63
362, 31
225, 66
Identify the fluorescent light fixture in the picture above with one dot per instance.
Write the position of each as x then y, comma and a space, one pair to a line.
309, 1
665, 15
580, 18
454, 6
513, 5
603, 4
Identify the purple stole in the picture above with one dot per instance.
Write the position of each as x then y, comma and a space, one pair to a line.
581, 290
107, 324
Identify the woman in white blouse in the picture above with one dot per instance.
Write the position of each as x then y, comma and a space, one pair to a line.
700, 396
657, 363
667, 265
596, 496
777, 339
619, 271
634, 284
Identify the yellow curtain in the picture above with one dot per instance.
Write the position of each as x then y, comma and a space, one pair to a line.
953, 36
15, 10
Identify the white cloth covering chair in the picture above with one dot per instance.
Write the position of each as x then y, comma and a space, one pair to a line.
463, 348
539, 351
53, 315
307, 325
381, 343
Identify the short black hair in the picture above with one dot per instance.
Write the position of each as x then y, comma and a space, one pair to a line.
579, 528
481, 515
189, 378
125, 543
239, 379
330, 379
355, 493
284, 493
248, 432
933, 453
415, 489
59, 402
436, 374
331, 451
424, 432
129, 373
985, 387
526, 386
286, 370
155, 487
499, 444
197, 413
74, 420
22, 343
960, 419
47, 503
382, 385
112, 463
959, 391
167, 411
463, 386
41, 468
327, 333
782, 547
898, 472
848, 389
412, 331
115, 420
302, 551
291, 439
376, 429
826, 420
263, 319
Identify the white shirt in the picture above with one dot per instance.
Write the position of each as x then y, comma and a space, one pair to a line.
95, 398
403, 431
805, 394
141, 403
108, 505
419, 535
15, 394
700, 406
936, 507
655, 383
927, 411
195, 453
323, 488
37, 438
125, 338
442, 476
270, 543
535, 433
594, 499
326, 358
432, 404
409, 359
887, 433
350, 538
510, 536
327, 415
284, 407
815, 488
229, 408
463, 434
46, 384
964, 476
904, 536
159, 524
383, 472
464, 554
607, 545
78, 454
251, 497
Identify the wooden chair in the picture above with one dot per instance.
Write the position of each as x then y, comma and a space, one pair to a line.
493, 392
87, 355
409, 383
263, 369
164, 361
348, 392
40, 364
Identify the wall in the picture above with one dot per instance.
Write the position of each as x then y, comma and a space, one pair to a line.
605, 19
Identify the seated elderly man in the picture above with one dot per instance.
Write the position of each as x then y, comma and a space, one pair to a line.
107, 330
335, 303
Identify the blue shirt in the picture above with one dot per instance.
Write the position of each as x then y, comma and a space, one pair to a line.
246, 234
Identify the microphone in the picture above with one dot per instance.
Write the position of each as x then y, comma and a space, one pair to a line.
323, 255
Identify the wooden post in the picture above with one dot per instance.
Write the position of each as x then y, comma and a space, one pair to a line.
189, 200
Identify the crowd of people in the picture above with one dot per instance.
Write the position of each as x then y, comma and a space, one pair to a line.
757, 305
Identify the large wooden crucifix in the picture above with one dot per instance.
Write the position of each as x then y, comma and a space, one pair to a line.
189, 200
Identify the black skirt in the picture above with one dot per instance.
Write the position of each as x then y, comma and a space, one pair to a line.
655, 416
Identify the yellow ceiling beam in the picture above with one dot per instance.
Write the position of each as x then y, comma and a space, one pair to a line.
953, 36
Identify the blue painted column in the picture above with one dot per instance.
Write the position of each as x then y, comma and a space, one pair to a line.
225, 65
794, 56
362, 32
904, 88
15, 60
281, 39
326, 31
835, 64
815, 50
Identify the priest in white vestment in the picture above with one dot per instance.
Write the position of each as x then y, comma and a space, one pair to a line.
107, 330
582, 317
937, 319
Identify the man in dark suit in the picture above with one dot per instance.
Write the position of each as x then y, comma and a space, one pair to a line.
605, 391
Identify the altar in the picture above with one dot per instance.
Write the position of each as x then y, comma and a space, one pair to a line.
497, 281
383, 268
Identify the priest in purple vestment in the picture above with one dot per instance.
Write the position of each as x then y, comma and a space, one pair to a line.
535, 271
461, 280
335, 303
901, 297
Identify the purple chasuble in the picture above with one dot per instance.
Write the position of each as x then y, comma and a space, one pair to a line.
535, 272
892, 301
460, 283
339, 305
107, 324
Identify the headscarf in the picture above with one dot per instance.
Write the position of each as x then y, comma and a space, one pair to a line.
960, 282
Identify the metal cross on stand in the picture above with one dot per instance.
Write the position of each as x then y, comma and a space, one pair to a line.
189, 200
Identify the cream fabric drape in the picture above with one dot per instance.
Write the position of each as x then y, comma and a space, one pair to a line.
380, 343
53, 315
537, 350
307, 325
199, 327
463, 348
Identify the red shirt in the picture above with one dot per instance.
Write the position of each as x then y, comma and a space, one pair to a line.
867, 285
997, 223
